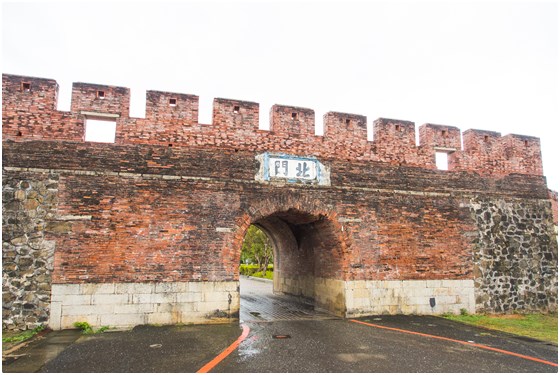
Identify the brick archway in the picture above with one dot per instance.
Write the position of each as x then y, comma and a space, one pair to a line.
308, 259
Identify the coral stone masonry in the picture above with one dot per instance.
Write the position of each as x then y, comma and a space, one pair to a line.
148, 229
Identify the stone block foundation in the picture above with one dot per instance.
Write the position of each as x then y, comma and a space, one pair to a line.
125, 305
376, 297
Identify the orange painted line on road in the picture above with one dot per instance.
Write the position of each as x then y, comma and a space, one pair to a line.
220, 357
459, 342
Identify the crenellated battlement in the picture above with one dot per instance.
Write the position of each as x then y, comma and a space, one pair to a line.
162, 107
88, 97
440, 136
172, 119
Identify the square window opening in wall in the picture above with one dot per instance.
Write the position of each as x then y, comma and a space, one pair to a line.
236, 109
294, 115
100, 130
172, 102
442, 160
25, 86
100, 94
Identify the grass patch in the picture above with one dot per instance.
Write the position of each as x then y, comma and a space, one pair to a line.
23, 336
538, 326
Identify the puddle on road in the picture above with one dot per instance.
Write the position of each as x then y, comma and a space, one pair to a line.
248, 348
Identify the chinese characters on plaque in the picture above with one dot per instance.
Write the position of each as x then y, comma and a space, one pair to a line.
297, 169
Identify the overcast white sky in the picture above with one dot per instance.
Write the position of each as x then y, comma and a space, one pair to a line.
482, 65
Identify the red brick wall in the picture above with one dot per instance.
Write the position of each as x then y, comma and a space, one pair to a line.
171, 199
166, 108
394, 141
440, 136
161, 231
32, 114
100, 98
489, 154
155, 211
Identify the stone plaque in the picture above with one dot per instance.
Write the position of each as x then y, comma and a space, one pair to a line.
293, 169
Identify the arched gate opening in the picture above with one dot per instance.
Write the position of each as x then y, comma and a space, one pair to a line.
308, 263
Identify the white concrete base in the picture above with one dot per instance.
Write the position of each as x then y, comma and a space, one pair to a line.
125, 305
376, 297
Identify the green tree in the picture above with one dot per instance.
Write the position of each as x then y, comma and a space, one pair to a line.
257, 248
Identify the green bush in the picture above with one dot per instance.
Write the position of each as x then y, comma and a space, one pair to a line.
251, 269
267, 275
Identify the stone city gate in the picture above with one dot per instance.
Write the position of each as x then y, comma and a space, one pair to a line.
148, 229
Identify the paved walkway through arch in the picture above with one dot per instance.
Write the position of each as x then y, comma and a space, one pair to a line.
260, 304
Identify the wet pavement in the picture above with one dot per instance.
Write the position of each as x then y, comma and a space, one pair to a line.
147, 349
288, 337
343, 346
259, 304
39, 351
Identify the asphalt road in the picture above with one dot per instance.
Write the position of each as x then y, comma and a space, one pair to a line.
300, 343
311, 346
343, 346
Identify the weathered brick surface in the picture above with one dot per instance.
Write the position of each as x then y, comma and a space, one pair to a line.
166, 107
100, 98
440, 136
171, 200
31, 114
493, 155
